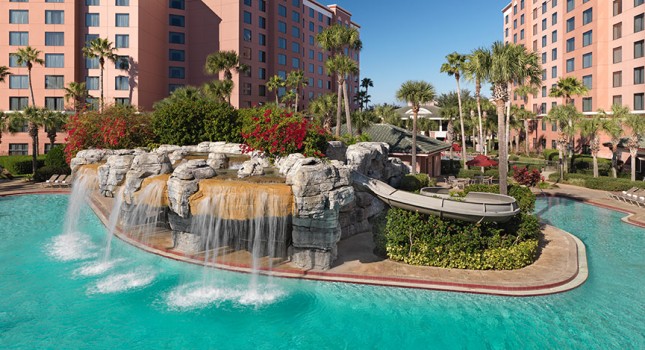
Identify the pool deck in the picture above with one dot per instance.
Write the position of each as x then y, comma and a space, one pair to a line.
561, 265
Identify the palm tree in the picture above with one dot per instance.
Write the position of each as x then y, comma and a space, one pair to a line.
613, 126
224, 61
53, 122
476, 68
4, 72
366, 83
288, 99
415, 93
102, 49
454, 66
275, 83
637, 125
77, 92
567, 88
562, 115
343, 67
590, 128
28, 56
296, 80
509, 63
363, 120
34, 118
524, 91
221, 90
324, 107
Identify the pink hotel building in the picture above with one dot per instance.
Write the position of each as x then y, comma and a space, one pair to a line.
162, 46
600, 42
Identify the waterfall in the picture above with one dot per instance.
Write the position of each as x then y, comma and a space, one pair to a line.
141, 218
113, 222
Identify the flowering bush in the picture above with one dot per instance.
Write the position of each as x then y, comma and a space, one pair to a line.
278, 133
526, 177
115, 127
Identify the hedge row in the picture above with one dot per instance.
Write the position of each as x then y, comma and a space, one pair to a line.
414, 183
599, 183
19, 165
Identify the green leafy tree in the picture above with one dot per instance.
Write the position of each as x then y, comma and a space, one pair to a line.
509, 63
636, 124
226, 62
28, 56
387, 114
220, 90
34, 118
363, 119
103, 49
297, 81
566, 88
476, 69
53, 122
415, 93
524, 91
343, 67
78, 93
274, 84
4, 72
590, 128
323, 108
454, 66
562, 115
613, 126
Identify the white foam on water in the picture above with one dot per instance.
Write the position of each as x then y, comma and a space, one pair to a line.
71, 246
123, 281
97, 267
197, 296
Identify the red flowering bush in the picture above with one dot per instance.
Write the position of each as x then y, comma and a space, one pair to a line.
116, 127
278, 133
526, 177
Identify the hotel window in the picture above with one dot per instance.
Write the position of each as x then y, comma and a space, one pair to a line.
262, 56
262, 73
247, 35
618, 7
587, 38
544, 91
543, 40
571, 44
54, 17
534, 30
554, 3
587, 60
295, 47
295, 3
54, 81
48, 146
514, 24
282, 11
92, 63
639, 75
122, 3
18, 103
571, 65
122, 41
54, 103
515, 9
92, 20
92, 83
18, 149
534, 14
515, 38
554, 54
262, 22
262, 39
543, 74
176, 38
312, 27
554, 18
282, 27
54, 60
522, 19
177, 4
638, 2
544, 7
543, 122
638, 23
320, 57
543, 108
553, 144
571, 24
92, 2
54, 38
18, 16
320, 84
312, 54
617, 100
262, 5
248, 2
122, 62
618, 54
58, 1
522, 34
92, 103
554, 36
638, 101
177, 20
282, 59
587, 16
121, 83
122, 101
295, 62
295, 32
18, 82
587, 81
246, 89
505, 19
312, 14
617, 79
248, 18
638, 49
295, 16
554, 72
320, 70
18, 38
554, 126
618, 30
262, 90
90, 37
176, 72
543, 57
13, 61
571, 4
282, 43
282, 74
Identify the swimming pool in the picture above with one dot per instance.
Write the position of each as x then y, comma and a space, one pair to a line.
57, 292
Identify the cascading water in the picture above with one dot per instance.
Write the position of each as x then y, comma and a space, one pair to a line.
141, 218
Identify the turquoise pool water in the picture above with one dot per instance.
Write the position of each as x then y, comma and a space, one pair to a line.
58, 292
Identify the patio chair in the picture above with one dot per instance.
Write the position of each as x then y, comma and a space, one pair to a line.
624, 195
60, 180
51, 181
67, 182
633, 197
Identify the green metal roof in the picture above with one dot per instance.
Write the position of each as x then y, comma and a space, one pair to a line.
400, 140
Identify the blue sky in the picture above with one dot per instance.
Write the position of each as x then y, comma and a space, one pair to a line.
409, 39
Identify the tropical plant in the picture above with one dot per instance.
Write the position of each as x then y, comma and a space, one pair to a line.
590, 128
363, 120
567, 88
343, 67
224, 61
454, 66
636, 124
34, 118
102, 49
524, 91
28, 56
476, 69
387, 114
78, 93
4, 72
324, 107
220, 90
3, 124
366, 83
274, 84
296, 80
613, 126
509, 63
565, 117
362, 99
415, 93
53, 122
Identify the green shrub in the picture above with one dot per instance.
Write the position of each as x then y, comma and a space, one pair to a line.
413, 183
46, 172
584, 165
25, 166
514, 158
600, 183
472, 172
19, 165
551, 154
56, 157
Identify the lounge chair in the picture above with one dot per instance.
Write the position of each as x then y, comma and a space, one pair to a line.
624, 196
67, 182
60, 180
52, 180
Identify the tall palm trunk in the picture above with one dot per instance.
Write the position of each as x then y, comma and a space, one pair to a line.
478, 88
461, 120
31, 87
594, 154
499, 92
33, 132
526, 136
413, 162
632, 152
297, 93
277, 102
347, 114
614, 159
102, 63
339, 105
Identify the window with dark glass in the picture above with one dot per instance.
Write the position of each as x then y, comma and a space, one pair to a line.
54, 82
587, 16
639, 75
92, 83
122, 62
571, 65
121, 82
18, 38
18, 81
122, 41
177, 4
638, 49
92, 20
54, 103
618, 30
177, 20
587, 38
617, 79
176, 38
